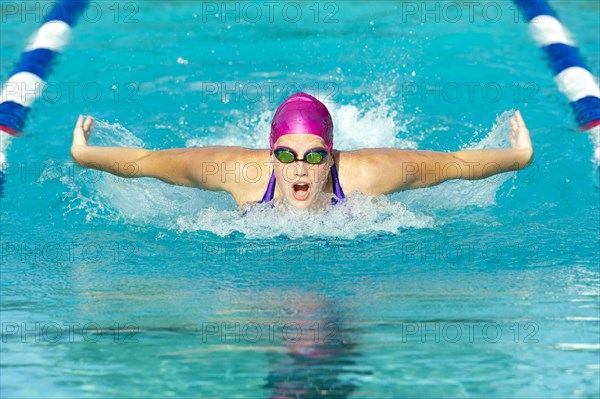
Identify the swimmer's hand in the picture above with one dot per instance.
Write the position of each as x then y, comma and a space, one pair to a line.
520, 140
81, 135
115, 160
82, 131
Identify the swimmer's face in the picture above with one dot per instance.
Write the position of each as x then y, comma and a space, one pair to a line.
301, 182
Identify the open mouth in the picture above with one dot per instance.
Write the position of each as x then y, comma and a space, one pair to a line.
301, 191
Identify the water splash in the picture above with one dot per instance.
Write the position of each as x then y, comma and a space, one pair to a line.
5, 140
355, 127
594, 134
361, 214
458, 194
376, 126
139, 201
251, 131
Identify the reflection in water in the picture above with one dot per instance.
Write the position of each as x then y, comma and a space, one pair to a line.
320, 357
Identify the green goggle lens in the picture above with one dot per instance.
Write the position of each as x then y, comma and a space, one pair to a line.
313, 157
285, 156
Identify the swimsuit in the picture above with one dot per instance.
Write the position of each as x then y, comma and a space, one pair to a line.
337, 188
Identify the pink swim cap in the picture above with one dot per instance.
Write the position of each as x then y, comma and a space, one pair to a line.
301, 113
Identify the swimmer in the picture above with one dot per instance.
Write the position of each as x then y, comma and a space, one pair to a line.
301, 163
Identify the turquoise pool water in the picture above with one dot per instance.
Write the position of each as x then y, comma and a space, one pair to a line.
132, 288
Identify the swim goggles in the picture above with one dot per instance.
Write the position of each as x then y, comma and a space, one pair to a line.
313, 157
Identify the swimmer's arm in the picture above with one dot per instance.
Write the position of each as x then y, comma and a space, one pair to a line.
210, 168
479, 164
403, 170
192, 167
167, 165
435, 168
116, 160
123, 162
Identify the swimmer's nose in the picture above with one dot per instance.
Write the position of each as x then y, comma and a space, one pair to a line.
301, 169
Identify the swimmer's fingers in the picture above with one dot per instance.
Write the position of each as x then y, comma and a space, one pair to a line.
520, 137
83, 128
520, 141
88, 125
514, 130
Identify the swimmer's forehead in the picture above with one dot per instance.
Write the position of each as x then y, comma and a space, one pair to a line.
300, 141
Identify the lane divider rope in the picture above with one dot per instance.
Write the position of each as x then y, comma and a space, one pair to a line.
27, 82
573, 78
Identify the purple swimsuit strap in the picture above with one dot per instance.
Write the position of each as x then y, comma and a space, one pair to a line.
337, 187
268, 197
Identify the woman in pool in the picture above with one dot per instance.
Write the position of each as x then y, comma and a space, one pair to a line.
301, 164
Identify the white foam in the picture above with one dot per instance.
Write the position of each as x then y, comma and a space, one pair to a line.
578, 346
5, 140
595, 138
361, 214
247, 131
376, 127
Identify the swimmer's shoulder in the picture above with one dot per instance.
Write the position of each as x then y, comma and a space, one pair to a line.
252, 170
353, 167
363, 170
235, 153
232, 156
255, 164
